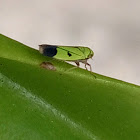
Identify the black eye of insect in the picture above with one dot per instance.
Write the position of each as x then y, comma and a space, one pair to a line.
69, 54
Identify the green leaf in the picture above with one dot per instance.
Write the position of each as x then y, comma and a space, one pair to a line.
62, 104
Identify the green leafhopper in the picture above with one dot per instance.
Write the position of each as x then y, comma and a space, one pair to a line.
75, 54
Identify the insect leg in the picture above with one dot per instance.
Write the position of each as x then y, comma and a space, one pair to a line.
88, 65
77, 63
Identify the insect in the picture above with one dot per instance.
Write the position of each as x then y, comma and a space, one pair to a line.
75, 54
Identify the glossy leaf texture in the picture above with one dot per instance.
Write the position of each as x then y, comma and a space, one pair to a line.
65, 103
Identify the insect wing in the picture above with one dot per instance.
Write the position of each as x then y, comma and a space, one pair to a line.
70, 53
